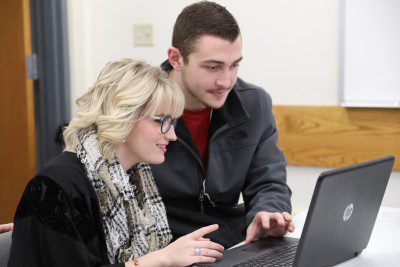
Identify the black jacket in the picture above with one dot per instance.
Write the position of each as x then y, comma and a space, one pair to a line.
243, 156
58, 220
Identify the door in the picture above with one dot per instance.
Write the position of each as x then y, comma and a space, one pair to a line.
17, 125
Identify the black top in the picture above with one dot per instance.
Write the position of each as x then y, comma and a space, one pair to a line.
58, 220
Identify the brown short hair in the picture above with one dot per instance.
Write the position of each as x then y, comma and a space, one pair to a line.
199, 19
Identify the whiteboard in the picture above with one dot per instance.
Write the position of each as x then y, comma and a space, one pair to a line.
370, 53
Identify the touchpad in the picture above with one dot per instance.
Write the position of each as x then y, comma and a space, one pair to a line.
263, 244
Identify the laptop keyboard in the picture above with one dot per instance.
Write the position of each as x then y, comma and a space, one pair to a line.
283, 256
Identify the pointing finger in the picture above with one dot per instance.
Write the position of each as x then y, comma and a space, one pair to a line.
204, 230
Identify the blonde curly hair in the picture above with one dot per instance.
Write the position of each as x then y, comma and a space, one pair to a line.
125, 91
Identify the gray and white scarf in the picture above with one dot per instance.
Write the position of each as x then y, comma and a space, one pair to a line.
133, 214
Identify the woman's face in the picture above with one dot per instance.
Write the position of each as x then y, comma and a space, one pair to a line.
146, 142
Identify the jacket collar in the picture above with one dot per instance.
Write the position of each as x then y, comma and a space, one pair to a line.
233, 112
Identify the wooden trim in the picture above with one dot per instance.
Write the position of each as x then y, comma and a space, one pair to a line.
17, 135
327, 136
30, 106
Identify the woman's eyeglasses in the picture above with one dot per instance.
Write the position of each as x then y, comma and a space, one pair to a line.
165, 122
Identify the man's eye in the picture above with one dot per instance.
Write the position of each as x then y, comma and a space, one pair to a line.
212, 67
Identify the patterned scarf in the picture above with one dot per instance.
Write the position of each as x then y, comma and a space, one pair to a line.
133, 214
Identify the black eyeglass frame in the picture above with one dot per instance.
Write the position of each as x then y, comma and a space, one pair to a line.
162, 120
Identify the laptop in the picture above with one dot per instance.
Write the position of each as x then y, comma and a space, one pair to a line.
338, 225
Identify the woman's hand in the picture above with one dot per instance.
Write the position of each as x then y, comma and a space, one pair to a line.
189, 249
4, 228
193, 248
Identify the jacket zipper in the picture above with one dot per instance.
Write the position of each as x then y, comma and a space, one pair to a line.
201, 199
201, 196
203, 189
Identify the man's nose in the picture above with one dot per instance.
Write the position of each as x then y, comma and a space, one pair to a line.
224, 80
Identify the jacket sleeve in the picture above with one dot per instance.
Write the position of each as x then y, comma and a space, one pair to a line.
265, 188
46, 229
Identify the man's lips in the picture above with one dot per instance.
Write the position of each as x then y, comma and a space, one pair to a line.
218, 93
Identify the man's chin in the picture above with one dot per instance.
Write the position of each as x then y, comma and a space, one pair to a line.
215, 104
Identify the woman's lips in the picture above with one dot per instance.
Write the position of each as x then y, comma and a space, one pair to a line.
163, 148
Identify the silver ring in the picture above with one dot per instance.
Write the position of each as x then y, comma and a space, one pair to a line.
197, 251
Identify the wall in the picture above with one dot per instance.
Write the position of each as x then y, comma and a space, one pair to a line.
289, 47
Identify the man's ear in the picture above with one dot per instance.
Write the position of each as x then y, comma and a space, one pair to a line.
175, 58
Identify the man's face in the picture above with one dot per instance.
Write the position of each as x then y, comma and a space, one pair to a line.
210, 71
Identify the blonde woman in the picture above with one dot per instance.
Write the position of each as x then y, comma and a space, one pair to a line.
96, 204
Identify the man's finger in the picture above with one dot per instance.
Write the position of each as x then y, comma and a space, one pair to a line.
287, 216
291, 227
278, 218
264, 218
267, 217
249, 237
204, 230
250, 232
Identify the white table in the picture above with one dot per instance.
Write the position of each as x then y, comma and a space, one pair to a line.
383, 248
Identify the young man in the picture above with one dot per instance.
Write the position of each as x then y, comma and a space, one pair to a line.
227, 137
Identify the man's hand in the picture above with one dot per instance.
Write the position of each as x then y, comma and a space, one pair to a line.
269, 224
4, 228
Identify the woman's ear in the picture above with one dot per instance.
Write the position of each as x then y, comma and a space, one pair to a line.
175, 58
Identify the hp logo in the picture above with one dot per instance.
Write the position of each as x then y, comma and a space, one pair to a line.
347, 212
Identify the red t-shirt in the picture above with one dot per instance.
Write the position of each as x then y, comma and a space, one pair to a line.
198, 123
